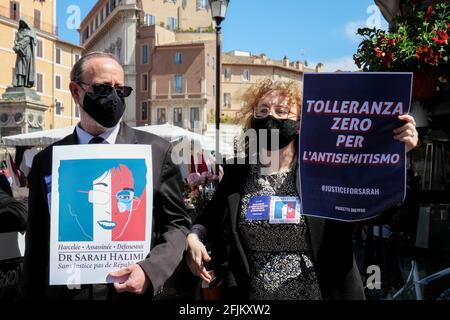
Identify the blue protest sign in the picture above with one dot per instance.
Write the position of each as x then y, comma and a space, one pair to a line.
351, 168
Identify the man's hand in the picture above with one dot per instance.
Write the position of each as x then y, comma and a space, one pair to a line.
137, 281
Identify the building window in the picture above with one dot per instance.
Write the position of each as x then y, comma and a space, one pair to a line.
246, 75
39, 82
202, 4
57, 81
172, 23
150, 20
161, 116
96, 22
145, 54
86, 33
58, 56
105, 11
227, 100
112, 5
178, 117
77, 57
194, 118
227, 73
144, 85
213, 62
144, 111
178, 58
102, 15
39, 49
178, 83
58, 107
37, 19
14, 10
207, 59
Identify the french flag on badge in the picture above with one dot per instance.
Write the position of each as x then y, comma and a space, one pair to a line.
290, 212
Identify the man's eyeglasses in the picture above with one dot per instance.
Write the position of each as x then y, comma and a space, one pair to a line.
104, 89
264, 110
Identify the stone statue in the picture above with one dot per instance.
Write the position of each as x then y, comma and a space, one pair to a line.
24, 47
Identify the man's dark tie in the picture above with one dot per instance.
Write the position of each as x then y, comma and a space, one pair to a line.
96, 140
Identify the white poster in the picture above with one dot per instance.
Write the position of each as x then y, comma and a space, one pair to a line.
101, 211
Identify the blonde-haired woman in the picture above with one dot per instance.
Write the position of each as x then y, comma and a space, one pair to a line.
258, 260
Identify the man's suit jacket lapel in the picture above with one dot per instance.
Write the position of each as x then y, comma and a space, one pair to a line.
126, 135
72, 139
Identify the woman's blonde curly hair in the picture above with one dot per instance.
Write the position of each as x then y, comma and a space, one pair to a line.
252, 95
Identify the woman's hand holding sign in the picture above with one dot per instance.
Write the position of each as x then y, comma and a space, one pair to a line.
196, 256
407, 133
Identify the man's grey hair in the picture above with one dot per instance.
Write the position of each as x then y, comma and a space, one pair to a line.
77, 70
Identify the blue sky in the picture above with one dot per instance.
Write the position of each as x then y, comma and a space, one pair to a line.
312, 30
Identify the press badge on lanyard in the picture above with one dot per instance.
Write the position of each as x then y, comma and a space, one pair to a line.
277, 210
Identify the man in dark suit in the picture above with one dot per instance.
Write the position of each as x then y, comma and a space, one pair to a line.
97, 86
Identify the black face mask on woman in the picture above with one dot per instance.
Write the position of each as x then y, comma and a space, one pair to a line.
287, 130
105, 109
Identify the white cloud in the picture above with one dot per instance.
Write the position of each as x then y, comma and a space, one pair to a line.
345, 63
374, 20
352, 27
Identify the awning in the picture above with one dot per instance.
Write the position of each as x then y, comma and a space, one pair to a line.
166, 131
174, 134
38, 138
389, 8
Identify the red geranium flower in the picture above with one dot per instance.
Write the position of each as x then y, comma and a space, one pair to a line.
442, 37
429, 13
379, 53
391, 42
427, 55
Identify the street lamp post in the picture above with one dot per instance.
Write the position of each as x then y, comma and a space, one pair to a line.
218, 11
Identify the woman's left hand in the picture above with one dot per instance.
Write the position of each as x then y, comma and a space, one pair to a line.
407, 133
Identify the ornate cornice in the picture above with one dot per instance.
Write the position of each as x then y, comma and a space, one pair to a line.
119, 13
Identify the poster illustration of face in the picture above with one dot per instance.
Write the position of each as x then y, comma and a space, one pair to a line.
101, 211
103, 200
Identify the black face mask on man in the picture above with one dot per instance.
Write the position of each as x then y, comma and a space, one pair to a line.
105, 109
287, 130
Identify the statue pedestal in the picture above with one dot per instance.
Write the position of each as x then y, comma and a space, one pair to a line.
20, 93
21, 111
